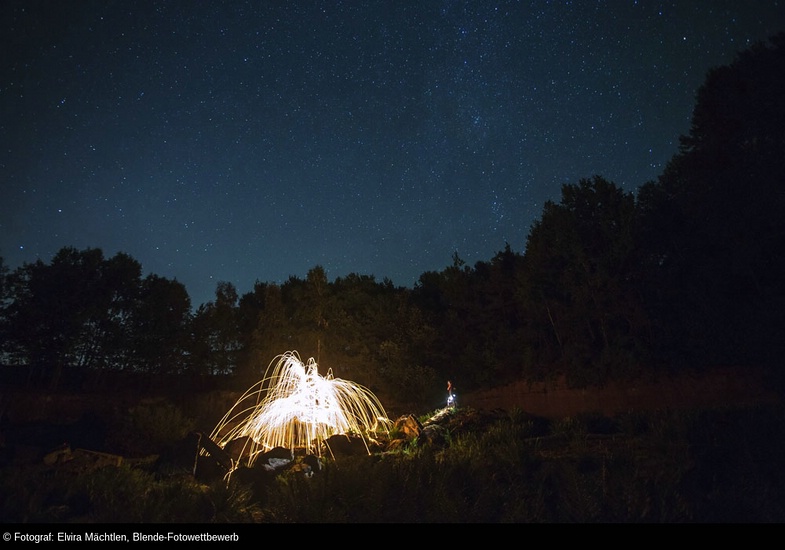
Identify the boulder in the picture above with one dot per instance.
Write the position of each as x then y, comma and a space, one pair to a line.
276, 452
433, 434
238, 449
408, 426
346, 445
314, 462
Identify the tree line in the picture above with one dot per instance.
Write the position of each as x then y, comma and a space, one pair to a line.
687, 272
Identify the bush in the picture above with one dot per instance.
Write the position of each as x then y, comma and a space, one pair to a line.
149, 429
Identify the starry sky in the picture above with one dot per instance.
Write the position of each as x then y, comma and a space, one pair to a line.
246, 141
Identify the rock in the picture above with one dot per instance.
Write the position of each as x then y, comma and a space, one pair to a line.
59, 455
181, 458
433, 434
409, 426
239, 449
314, 462
277, 452
346, 445
215, 451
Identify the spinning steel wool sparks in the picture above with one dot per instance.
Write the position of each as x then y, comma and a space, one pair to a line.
294, 407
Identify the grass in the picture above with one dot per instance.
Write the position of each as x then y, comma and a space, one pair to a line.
660, 467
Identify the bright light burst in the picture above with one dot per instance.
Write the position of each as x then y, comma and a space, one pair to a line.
294, 407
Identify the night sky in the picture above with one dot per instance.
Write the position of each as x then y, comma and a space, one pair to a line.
251, 141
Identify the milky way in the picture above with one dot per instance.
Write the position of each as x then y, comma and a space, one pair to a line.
251, 141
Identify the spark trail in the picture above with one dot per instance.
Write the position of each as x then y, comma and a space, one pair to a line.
295, 407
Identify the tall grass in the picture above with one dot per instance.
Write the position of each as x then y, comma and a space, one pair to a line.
659, 467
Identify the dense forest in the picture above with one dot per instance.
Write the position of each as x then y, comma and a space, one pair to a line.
686, 273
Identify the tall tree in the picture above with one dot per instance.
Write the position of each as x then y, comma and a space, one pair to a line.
217, 324
722, 198
108, 333
264, 330
581, 255
52, 305
6, 350
317, 296
161, 326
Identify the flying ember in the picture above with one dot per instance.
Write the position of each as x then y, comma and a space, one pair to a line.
293, 406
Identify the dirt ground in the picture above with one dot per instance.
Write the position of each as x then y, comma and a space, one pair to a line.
721, 388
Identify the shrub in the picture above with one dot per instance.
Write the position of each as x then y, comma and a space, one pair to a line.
149, 428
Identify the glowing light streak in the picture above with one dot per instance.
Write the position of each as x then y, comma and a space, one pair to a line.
294, 407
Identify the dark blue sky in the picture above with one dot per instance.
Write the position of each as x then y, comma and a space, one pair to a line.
251, 141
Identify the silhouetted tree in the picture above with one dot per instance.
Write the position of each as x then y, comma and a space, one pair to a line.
264, 330
6, 355
216, 328
403, 352
161, 326
580, 257
500, 315
690, 270
358, 324
317, 297
437, 295
713, 224
82, 311
52, 305
108, 336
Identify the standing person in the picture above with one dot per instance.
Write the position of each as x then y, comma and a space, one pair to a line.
450, 389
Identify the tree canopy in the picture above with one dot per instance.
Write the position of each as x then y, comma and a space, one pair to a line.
687, 271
